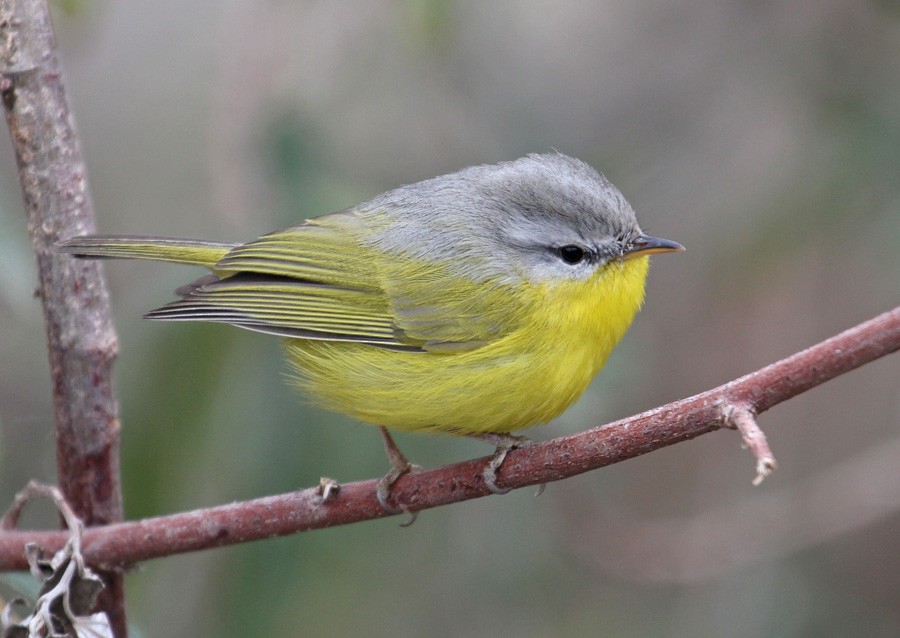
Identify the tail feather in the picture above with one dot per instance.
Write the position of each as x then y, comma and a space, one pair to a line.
183, 251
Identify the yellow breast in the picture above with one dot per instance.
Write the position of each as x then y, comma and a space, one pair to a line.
523, 379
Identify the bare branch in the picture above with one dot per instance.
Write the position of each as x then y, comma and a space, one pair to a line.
124, 544
38, 490
81, 341
744, 421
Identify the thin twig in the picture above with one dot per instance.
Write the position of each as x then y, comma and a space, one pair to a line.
128, 543
81, 341
743, 420
34, 490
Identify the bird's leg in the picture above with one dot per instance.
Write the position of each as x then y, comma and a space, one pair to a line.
399, 466
504, 443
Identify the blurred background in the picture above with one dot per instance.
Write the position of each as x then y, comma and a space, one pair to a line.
764, 136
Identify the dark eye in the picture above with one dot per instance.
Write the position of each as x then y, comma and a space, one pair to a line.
571, 254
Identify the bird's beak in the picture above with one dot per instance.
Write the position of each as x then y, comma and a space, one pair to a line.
646, 245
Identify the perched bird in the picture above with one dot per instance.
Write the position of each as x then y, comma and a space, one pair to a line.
476, 303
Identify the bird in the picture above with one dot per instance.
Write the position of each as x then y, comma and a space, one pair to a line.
478, 303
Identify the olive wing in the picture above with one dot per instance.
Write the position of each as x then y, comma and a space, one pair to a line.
318, 281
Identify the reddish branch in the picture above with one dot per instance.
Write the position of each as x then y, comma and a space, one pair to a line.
127, 543
81, 340
741, 418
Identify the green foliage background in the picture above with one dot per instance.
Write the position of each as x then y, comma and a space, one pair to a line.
763, 136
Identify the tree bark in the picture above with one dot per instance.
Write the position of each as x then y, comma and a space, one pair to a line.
81, 340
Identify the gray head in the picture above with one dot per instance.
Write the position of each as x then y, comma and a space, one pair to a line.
540, 217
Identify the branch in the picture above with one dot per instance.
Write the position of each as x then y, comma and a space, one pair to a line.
741, 418
81, 340
124, 544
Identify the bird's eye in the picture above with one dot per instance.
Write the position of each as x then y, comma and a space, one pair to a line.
571, 254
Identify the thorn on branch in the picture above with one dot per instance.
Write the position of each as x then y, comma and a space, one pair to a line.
742, 419
328, 489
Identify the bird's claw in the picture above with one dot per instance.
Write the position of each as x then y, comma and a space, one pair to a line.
504, 443
399, 466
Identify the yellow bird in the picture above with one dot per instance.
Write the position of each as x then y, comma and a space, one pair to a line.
476, 303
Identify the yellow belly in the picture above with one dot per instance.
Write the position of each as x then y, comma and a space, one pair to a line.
524, 379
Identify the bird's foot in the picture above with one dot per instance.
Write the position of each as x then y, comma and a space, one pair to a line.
399, 466
504, 443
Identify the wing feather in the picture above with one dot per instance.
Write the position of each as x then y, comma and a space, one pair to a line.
324, 249
323, 280
288, 307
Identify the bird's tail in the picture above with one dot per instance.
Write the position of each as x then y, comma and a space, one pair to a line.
182, 251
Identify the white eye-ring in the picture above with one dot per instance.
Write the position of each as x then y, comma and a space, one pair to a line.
571, 254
